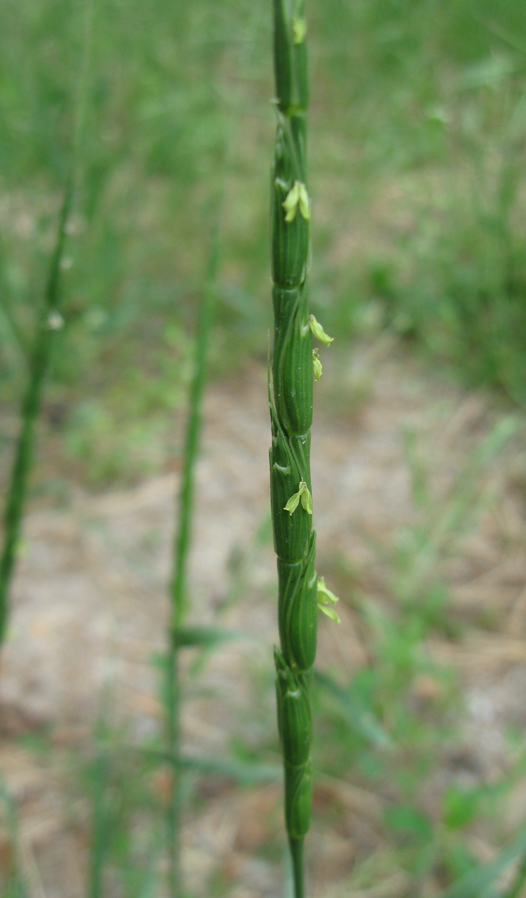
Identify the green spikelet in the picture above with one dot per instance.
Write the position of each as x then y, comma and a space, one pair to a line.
295, 728
298, 610
289, 466
290, 56
290, 400
290, 239
292, 360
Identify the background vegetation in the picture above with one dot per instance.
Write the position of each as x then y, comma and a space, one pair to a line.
417, 148
418, 129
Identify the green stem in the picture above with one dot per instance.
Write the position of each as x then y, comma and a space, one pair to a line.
193, 430
184, 526
173, 811
31, 402
48, 321
296, 853
181, 549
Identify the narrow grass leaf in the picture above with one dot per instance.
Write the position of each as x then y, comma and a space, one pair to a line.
245, 772
205, 637
360, 720
474, 883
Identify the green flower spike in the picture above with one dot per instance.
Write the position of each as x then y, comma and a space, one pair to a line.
316, 364
297, 197
299, 30
318, 331
302, 495
326, 600
290, 400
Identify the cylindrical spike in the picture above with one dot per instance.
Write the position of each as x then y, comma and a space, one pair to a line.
290, 398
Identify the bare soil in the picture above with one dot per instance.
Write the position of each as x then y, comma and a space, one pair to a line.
90, 608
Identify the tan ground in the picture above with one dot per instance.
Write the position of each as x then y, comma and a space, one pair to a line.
90, 607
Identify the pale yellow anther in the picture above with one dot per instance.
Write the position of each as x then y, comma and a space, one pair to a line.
325, 593
302, 495
304, 202
327, 600
299, 30
297, 198
330, 612
316, 364
318, 331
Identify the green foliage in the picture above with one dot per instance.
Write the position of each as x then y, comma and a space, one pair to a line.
409, 823
477, 882
419, 120
118, 784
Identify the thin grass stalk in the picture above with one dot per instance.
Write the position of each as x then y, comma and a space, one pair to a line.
181, 550
43, 340
49, 322
178, 590
294, 365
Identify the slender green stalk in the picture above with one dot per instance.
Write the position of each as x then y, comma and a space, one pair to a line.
49, 322
290, 398
182, 545
184, 523
49, 319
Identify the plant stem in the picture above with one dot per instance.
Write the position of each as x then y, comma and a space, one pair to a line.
184, 524
296, 853
182, 545
49, 321
29, 411
290, 402
173, 812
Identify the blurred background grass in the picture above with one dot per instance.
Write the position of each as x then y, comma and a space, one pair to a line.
417, 142
417, 136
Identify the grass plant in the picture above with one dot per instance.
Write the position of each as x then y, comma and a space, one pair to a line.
180, 636
49, 322
178, 589
420, 226
294, 366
